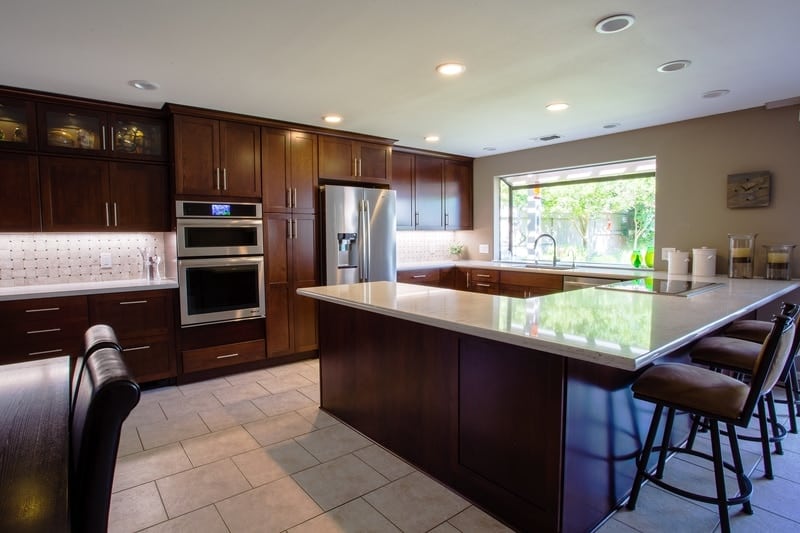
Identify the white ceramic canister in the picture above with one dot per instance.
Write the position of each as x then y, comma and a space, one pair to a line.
704, 261
678, 262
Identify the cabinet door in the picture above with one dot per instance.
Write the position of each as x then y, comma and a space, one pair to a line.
17, 119
428, 192
138, 196
72, 129
458, 195
275, 171
277, 247
303, 172
304, 274
403, 184
139, 138
196, 154
375, 163
74, 194
19, 202
336, 159
240, 159
134, 315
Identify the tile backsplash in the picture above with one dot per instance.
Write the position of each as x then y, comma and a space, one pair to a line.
42, 258
421, 246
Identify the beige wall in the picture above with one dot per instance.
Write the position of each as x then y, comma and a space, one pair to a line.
694, 158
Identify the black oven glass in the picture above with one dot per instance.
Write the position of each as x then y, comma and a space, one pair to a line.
210, 236
221, 288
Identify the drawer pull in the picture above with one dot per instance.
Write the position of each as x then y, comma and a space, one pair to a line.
419, 276
57, 350
132, 302
136, 348
483, 275
482, 285
226, 356
51, 330
42, 310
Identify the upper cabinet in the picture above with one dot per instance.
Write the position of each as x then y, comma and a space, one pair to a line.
289, 171
342, 158
19, 203
216, 157
97, 132
434, 191
17, 119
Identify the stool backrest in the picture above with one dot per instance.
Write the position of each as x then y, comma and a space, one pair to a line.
775, 351
105, 396
96, 337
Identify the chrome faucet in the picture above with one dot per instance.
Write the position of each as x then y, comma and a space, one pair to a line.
536, 243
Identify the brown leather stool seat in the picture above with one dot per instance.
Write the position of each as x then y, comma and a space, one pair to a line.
720, 399
751, 330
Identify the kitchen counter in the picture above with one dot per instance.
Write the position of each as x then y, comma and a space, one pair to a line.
613, 328
52, 290
598, 272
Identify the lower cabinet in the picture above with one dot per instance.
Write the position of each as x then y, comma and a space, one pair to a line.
144, 324
529, 284
222, 355
481, 280
432, 277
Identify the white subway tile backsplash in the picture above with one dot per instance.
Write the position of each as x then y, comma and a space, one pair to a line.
421, 246
41, 258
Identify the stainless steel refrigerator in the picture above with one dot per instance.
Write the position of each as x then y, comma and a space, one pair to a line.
358, 234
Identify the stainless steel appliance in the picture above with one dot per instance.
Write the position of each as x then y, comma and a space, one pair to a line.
358, 235
220, 262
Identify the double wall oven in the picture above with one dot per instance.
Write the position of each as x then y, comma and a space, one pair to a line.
220, 262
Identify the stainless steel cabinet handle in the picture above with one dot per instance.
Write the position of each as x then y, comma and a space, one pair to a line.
483, 275
468, 280
51, 330
419, 276
416, 218
43, 352
294, 228
218, 178
115, 214
288, 229
359, 166
108, 219
43, 309
288, 197
227, 355
103, 136
294, 197
133, 302
355, 166
136, 348
225, 179
111, 138
482, 285
447, 219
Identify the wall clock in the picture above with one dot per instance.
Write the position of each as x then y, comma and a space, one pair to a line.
750, 189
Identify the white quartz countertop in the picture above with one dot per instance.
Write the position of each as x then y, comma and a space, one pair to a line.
52, 290
625, 330
598, 272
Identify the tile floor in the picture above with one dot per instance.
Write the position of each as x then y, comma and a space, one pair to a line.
253, 452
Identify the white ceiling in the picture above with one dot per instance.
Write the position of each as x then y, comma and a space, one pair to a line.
373, 61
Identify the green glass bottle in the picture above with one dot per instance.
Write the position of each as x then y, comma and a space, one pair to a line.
649, 256
636, 258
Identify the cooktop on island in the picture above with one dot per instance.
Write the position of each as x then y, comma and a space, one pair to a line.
671, 287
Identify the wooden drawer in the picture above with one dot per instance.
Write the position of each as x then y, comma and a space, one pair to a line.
43, 327
551, 282
134, 315
484, 276
419, 275
485, 287
223, 355
149, 359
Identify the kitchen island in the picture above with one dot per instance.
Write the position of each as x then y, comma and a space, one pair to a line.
522, 405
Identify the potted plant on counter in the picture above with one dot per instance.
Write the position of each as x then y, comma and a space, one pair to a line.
456, 249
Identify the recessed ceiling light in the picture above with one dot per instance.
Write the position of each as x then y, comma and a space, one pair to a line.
716, 93
611, 125
673, 66
144, 85
332, 119
549, 137
432, 138
489, 148
450, 69
558, 106
614, 24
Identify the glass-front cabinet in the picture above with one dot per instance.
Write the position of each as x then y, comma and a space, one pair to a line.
95, 132
16, 120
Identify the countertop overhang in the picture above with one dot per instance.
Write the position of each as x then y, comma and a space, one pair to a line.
53, 290
620, 329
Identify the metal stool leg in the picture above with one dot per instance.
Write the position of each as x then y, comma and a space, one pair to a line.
641, 464
719, 477
662, 456
765, 452
737, 463
773, 417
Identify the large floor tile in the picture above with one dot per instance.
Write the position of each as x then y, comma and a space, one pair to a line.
247, 377
473, 520
330, 442
338, 481
655, 504
145, 413
282, 402
169, 431
762, 521
160, 393
356, 515
150, 465
201, 486
385, 462
284, 382
231, 415
279, 428
274, 462
202, 401
245, 391
205, 520
135, 509
317, 416
290, 368
218, 445
312, 391
781, 496
206, 386
273, 507
416, 503
129, 441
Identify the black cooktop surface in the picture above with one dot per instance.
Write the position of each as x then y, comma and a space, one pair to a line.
669, 287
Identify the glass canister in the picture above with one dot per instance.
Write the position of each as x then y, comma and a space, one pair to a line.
741, 253
779, 259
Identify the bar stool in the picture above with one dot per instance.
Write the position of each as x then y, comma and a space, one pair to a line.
739, 356
720, 399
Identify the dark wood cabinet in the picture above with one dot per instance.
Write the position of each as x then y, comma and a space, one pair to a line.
222, 355
92, 195
17, 124
434, 192
291, 247
347, 159
144, 324
481, 280
19, 202
289, 171
529, 284
216, 157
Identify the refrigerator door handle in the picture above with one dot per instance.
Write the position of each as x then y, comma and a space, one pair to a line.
368, 244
